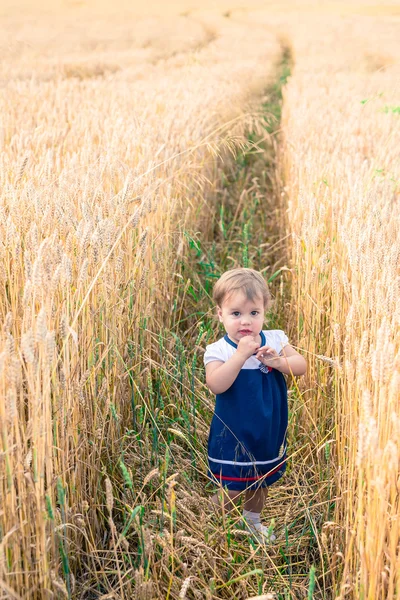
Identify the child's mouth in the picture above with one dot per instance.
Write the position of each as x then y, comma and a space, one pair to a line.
245, 331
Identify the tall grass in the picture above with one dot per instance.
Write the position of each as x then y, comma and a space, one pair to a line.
108, 164
340, 165
132, 175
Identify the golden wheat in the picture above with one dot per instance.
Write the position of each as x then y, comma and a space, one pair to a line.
110, 138
341, 167
116, 120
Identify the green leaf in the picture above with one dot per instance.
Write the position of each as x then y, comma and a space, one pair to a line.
275, 275
235, 579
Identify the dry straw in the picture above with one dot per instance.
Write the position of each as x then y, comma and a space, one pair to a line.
340, 163
112, 135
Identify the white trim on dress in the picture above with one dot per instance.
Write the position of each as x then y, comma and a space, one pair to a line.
248, 464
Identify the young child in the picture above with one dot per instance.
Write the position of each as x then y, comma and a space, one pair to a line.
247, 440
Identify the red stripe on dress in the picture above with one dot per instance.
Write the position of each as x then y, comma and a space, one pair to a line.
247, 478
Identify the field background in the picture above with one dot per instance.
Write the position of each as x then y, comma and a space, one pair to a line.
144, 150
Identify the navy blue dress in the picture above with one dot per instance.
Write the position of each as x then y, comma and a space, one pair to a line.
247, 440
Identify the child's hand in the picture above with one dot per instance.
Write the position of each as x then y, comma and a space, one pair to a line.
269, 357
247, 346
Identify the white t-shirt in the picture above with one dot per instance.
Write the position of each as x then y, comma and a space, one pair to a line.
221, 350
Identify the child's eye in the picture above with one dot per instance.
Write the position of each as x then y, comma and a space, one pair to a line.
236, 313
254, 312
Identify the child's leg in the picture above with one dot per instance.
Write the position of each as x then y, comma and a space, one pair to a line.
226, 499
253, 505
254, 500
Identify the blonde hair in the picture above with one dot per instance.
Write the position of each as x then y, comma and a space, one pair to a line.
249, 281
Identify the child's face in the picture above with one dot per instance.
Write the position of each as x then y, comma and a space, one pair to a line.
241, 316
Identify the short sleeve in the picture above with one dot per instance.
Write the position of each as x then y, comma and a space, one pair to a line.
281, 340
276, 338
213, 352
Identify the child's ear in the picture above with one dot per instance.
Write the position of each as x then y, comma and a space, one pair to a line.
219, 313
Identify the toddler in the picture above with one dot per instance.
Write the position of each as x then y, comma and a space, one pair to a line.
247, 440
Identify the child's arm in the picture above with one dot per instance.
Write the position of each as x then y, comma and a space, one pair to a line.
289, 361
220, 375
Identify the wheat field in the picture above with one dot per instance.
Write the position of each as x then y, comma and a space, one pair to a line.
146, 149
